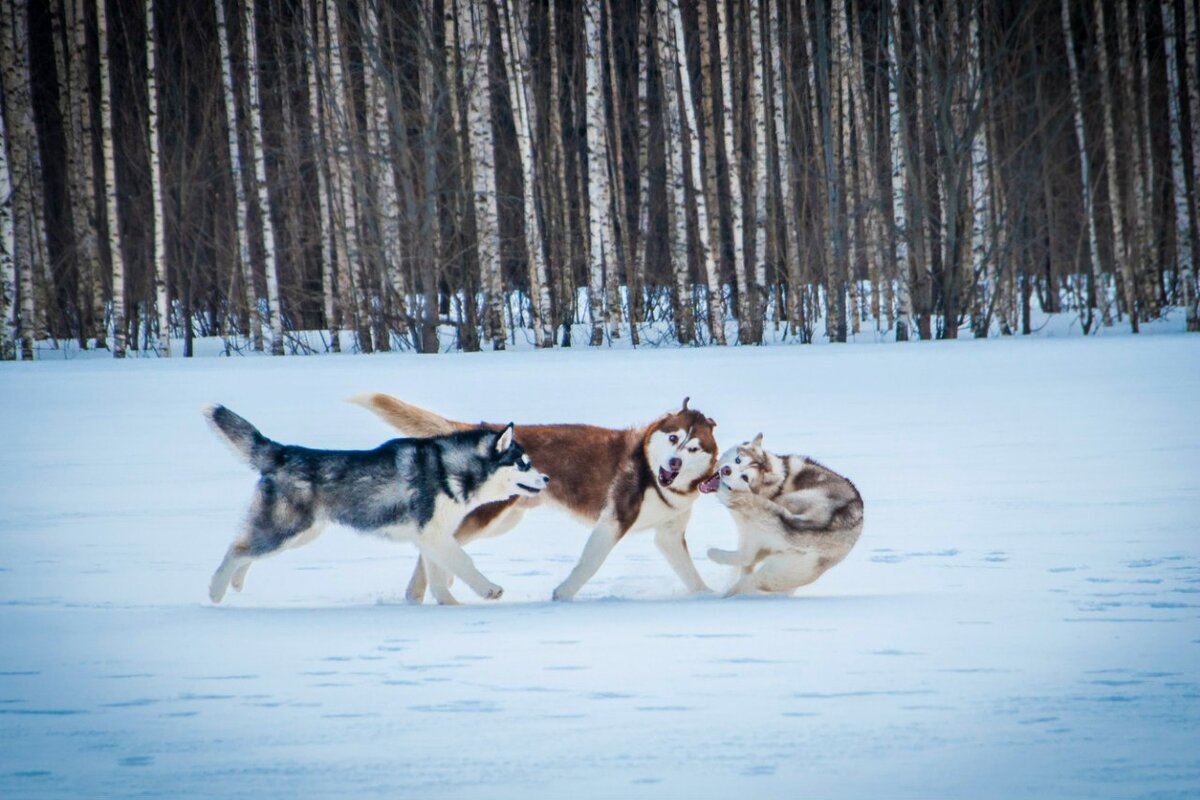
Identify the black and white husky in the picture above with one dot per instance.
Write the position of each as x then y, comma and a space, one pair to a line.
407, 489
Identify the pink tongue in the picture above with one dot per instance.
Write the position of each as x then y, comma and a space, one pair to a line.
710, 485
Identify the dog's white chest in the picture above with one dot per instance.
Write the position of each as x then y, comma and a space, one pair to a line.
655, 511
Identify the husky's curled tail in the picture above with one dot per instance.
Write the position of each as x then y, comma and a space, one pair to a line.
259, 451
408, 419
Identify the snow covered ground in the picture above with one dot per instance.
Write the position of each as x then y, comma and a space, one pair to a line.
1021, 617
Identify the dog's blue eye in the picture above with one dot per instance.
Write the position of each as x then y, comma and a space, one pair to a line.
673, 439
737, 460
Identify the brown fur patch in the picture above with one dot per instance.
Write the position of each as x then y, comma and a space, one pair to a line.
589, 466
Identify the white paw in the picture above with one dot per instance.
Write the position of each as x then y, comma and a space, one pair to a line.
216, 591
493, 592
562, 594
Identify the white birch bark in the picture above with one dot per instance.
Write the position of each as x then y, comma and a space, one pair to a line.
1191, 54
85, 193
756, 119
1138, 246
1101, 298
9, 332
161, 289
245, 268
668, 65
383, 108
896, 128
473, 21
1120, 244
110, 183
788, 206
1150, 280
521, 91
314, 67
734, 161
600, 234
24, 191
716, 311
636, 278
352, 290
274, 319
622, 236
1186, 225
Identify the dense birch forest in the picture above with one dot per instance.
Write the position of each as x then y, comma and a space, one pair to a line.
696, 171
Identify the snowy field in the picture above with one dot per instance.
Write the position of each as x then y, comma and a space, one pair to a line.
1021, 617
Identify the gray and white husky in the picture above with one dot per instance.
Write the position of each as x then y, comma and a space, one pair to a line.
795, 518
407, 489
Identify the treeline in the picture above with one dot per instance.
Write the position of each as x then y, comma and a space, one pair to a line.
388, 168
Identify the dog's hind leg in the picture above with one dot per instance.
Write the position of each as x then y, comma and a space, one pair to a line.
239, 577
236, 560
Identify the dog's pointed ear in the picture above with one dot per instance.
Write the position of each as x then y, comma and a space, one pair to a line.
505, 440
685, 402
757, 441
712, 423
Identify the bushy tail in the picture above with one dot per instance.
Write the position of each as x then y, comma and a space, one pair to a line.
408, 419
251, 445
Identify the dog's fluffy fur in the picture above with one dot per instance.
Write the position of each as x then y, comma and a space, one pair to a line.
614, 480
415, 489
795, 518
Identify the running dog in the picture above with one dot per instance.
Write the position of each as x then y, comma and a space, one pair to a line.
795, 518
407, 489
616, 481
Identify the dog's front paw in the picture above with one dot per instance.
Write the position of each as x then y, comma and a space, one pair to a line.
492, 592
216, 591
561, 594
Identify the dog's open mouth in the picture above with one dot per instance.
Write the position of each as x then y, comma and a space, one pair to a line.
530, 489
666, 477
711, 485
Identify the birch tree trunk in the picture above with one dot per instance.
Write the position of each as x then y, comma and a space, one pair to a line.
482, 152
1191, 61
110, 183
757, 120
733, 158
716, 312
245, 267
600, 238
1100, 296
709, 237
780, 144
24, 192
1139, 246
384, 110
315, 67
1183, 217
91, 279
1120, 244
900, 163
668, 66
342, 126
521, 91
10, 332
872, 191
159, 253
274, 320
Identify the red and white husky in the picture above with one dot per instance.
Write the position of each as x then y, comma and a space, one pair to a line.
616, 481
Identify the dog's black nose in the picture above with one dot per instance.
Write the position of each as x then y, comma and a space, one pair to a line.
675, 464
